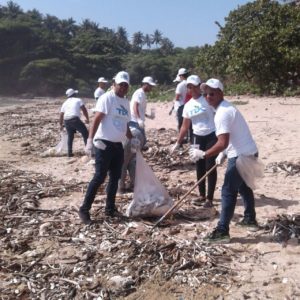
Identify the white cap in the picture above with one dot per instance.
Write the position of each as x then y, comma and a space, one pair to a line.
70, 92
182, 71
194, 80
102, 79
213, 83
177, 79
149, 80
122, 77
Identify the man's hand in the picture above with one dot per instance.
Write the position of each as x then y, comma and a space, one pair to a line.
141, 123
196, 154
88, 147
220, 158
135, 145
174, 147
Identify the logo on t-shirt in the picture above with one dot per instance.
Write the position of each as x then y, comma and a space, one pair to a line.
196, 110
122, 111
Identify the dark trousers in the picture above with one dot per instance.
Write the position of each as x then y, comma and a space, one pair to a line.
73, 125
108, 161
179, 117
204, 165
234, 184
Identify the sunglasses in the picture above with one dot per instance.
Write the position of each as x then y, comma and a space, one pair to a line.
208, 94
123, 84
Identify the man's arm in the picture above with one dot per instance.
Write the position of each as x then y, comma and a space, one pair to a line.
98, 118
128, 133
136, 109
183, 130
219, 146
61, 120
85, 113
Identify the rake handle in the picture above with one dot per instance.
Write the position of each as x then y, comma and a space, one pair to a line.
184, 196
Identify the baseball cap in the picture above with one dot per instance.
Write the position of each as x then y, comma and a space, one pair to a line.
149, 80
102, 79
182, 71
213, 83
70, 92
194, 80
122, 76
177, 79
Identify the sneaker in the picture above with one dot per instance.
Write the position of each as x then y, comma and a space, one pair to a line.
217, 236
208, 204
85, 217
112, 213
251, 225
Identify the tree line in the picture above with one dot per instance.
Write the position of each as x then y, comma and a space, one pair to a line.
257, 51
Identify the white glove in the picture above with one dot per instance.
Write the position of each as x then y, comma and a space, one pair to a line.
220, 158
135, 145
196, 154
174, 147
88, 147
141, 123
99, 144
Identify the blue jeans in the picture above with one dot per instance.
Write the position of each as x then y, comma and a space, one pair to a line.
108, 161
234, 184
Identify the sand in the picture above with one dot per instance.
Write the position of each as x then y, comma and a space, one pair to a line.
265, 269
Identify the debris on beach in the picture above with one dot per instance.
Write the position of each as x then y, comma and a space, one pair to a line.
284, 227
291, 169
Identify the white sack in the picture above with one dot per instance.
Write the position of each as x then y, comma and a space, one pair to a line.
150, 197
250, 168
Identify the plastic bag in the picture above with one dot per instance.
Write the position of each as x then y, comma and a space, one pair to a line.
62, 146
250, 168
150, 198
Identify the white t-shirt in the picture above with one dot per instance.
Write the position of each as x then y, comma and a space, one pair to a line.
113, 126
181, 89
139, 96
201, 114
229, 120
98, 92
71, 108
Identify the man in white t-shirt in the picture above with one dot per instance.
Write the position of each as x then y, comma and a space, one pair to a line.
100, 90
201, 115
180, 95
107, 133
70, 117
233, 136
138, 106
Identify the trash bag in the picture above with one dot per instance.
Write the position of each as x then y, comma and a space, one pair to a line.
251, 168
150, 198
62, 146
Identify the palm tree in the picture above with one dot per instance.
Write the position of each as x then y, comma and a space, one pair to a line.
156, 37
148, 40
137, 41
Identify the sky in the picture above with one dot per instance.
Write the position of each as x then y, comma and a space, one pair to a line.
186, 23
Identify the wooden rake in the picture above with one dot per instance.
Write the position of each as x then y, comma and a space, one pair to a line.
183, 197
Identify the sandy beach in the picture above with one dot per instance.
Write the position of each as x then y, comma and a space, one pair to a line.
260, 267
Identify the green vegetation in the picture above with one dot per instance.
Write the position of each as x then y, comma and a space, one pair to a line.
257, 51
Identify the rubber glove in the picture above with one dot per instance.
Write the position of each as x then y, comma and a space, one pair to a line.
220, 158
99, 144
174, 147
196, 154
88, 147
141, 123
